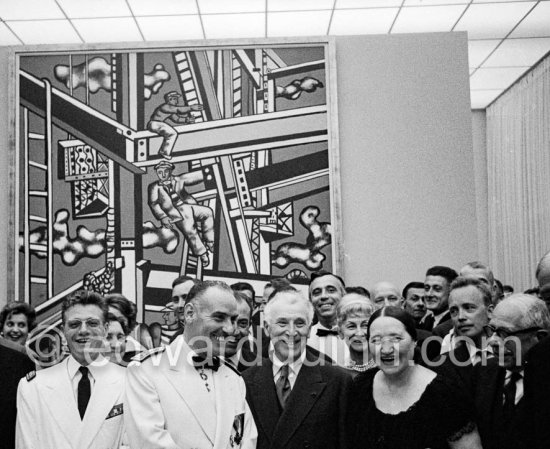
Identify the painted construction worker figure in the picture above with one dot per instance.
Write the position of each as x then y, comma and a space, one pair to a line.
172, 205
178, 114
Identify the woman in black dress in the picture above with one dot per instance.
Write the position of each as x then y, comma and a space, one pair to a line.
402, 405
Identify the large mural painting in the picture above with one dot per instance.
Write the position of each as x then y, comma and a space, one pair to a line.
137, 166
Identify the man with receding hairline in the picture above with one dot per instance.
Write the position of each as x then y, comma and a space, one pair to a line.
297, 401
516, 326
325, 292
182, 396
384, 294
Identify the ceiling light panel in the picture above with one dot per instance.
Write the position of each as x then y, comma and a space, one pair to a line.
362, 21
480, 99
495, 78
30, 10
499, 1
164, 28
79, 9
7, 37
221, 26
536, 24
230, 6
163, 7
120, 29
479, 50
519, 52
427, 19
299, 23
367, 3
302, 5
45, 32
491, 21
435, 2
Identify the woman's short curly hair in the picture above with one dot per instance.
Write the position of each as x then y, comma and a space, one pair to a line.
16, 308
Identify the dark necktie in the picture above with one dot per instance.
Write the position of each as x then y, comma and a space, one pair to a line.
283, 386
326, 332
84, 391
510, 396
200, 362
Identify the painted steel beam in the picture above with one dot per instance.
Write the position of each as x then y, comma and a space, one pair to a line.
85, 123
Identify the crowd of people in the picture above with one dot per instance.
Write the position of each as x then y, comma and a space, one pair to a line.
450, 361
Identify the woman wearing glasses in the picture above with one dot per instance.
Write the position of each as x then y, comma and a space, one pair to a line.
404, 405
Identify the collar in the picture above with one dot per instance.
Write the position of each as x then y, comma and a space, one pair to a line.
509, 375
428, 314
94, 368
320, 326
278, 364
234, 359
187, 352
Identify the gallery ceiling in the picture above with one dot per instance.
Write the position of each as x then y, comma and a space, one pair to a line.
505, 37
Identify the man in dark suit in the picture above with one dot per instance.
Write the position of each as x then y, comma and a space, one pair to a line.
241, 351
296, 400
13, 366
470, 306
436, 295
537, 394
504, 419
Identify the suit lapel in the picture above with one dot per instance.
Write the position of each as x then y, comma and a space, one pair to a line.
462, 354
59, 397
249, 356
104, 396
262, 389
191, 388
308, 388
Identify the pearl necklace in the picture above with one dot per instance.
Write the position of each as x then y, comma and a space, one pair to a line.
363, 367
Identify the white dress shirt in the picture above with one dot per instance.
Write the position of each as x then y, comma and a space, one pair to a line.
331, 345
519, 385
293, 368
75, 375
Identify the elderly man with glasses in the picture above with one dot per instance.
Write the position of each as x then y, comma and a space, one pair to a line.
517, 324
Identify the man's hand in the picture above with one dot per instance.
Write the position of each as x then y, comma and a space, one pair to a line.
197, 107
166, 223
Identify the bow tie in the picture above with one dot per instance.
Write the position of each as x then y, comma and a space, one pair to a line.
200, 362
326, 332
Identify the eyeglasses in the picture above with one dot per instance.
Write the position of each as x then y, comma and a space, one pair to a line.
76, 324
491, 330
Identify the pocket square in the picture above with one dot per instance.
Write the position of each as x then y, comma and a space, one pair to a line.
115, 411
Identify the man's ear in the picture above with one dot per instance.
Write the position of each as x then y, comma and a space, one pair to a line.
189, 312
541, 334
490, 309
266, 327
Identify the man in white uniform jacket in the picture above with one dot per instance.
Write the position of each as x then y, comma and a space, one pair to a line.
76, 404
182, 396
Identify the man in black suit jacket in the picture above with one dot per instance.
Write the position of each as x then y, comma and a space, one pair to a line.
470, 306
436, 294
537, 394
13, 366
502, 387
296, 400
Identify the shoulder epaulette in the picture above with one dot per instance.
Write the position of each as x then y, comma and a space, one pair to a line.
230, 366
30, 376
142, 356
